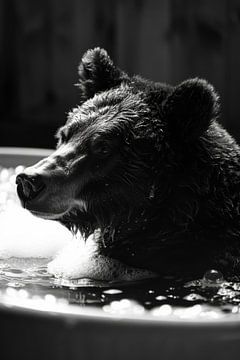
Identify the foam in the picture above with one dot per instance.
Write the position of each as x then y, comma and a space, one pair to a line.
26, 236
80, 259
23, 235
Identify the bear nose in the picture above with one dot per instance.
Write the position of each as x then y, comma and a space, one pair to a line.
29, 186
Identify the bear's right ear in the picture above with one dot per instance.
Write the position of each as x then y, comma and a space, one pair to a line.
97, 73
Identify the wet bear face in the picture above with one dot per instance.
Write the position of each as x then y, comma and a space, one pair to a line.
98, 163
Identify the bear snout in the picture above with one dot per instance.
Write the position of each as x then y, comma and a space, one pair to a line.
29, 186
44, 190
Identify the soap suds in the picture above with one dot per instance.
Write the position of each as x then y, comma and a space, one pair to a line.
23, 235
80, 259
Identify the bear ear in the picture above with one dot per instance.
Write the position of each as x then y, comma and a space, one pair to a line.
190, 108
97, 73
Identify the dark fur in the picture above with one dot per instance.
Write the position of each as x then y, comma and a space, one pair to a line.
161, 179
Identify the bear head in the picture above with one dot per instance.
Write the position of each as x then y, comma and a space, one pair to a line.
127, 154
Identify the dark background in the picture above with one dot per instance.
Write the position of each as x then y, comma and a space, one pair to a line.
42, 41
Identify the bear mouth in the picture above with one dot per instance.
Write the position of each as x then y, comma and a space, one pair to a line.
48, 215
49, 210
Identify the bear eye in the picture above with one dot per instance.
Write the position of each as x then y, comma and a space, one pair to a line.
100, 147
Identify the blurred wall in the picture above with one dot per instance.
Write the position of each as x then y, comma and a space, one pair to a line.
42, 41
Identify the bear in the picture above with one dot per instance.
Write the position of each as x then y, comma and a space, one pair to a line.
147, 167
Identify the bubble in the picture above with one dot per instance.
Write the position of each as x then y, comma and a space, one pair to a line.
112, 291
235, 310
163, 310
147, 303
124, 306
12, 179
19, 169
173, 296
193, 297
4, 175
11, 292
3, 197
126, 303
62, 301
213, 277
160, 297
189, 313
51, 299
210, 314
151, 291
23, 294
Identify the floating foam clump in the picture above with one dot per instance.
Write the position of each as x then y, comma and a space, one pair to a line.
24, 235
80, 259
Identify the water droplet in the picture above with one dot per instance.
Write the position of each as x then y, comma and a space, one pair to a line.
173, 296
160, 297
235, 309
194, 297
212, 277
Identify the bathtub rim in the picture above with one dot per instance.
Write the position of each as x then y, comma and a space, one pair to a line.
76, 313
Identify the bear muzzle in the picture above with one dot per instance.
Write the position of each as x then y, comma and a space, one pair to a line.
29, 187
50, 188
46, 193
